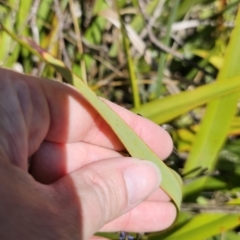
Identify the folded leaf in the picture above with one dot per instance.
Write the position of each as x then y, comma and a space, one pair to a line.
171, 182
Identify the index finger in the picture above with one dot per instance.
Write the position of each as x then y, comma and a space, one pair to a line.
85, 124
72, 119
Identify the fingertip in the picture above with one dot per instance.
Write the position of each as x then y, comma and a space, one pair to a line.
141, 178
168, 144
156, 137
167, 215
149, 216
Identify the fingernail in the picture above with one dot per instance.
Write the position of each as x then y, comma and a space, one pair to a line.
142, 179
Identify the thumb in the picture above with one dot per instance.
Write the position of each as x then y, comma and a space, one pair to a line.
107, 189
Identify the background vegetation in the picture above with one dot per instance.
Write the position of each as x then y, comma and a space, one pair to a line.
159, 58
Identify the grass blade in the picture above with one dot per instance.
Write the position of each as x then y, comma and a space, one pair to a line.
163, 56
131, 68
219, 113
205, 225
166, 109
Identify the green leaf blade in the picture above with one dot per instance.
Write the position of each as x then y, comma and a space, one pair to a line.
205, 225
166, 109
219, 113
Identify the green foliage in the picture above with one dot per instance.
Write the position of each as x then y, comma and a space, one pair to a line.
174, 62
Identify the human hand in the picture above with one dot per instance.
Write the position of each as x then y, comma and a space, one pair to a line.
79, 181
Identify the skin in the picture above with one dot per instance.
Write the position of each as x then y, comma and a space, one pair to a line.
79, 181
